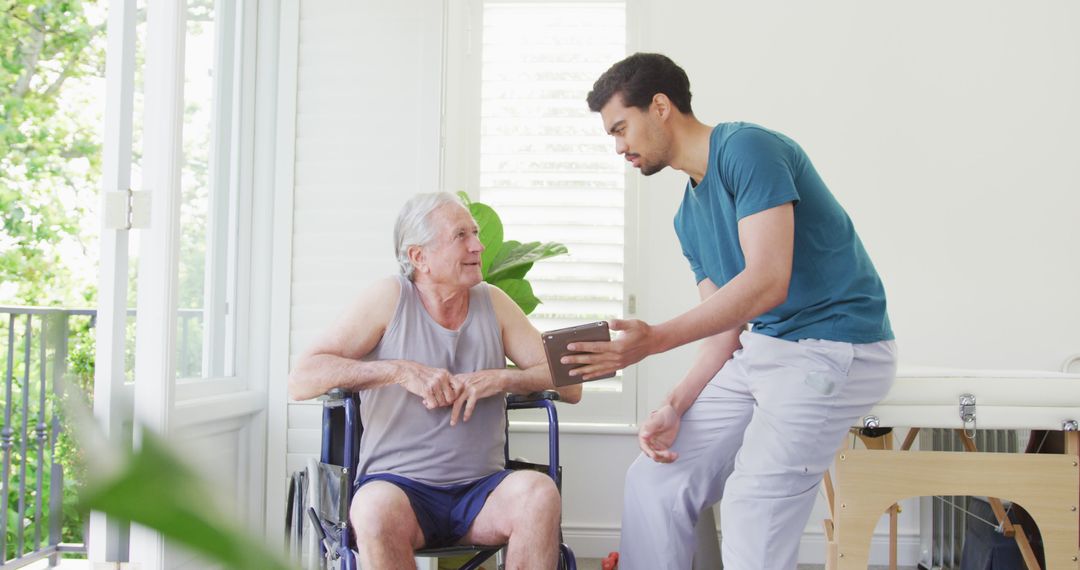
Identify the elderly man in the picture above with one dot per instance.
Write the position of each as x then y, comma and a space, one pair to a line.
427, 352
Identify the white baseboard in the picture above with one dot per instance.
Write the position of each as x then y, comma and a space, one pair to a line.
591, 541
597, 541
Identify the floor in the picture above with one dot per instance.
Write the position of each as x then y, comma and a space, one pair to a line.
582, 564
594, 564
65, 564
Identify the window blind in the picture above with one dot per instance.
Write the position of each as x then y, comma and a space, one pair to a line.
548, 168
546, 164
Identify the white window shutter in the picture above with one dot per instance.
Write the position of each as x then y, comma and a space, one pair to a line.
546, 164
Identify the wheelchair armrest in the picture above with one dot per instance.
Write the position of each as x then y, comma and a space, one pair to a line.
541, 400
533, 400
341, 428
335, 398
335, 394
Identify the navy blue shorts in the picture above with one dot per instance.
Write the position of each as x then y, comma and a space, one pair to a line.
444, 513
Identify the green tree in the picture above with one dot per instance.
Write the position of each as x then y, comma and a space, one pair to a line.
49, 148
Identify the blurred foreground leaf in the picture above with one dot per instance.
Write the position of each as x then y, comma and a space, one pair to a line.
158, 491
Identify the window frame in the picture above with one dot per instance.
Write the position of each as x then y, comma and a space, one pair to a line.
230, 248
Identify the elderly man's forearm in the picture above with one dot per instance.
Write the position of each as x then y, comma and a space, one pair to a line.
317, 374
535, 379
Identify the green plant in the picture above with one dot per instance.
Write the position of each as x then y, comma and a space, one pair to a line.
505, 263
156, 489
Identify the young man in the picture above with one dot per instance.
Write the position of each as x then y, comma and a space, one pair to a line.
758, 417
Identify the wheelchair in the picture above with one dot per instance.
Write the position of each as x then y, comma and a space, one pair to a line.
323, 492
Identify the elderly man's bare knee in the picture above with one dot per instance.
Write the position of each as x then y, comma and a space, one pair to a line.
381, 512
531, 508
537, 495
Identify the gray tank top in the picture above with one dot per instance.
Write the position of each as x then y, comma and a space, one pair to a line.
403, 437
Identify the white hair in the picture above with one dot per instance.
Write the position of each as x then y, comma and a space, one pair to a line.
413, 225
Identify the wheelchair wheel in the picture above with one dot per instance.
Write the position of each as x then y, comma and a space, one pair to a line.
294, 513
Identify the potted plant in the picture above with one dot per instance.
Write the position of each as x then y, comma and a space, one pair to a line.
505, 263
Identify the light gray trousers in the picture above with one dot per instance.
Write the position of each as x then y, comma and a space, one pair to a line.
760, 435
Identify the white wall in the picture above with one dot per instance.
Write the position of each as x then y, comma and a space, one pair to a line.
948, 131
367, 138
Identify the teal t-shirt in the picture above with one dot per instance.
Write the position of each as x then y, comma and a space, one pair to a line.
835, 292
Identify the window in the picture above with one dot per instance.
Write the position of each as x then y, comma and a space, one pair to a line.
209, 211
214, 213
528, 145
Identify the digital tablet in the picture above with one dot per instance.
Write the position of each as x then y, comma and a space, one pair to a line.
555, 346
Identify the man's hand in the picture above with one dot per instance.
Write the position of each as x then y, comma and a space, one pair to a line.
473, 387
433, 385
658, 433
634, 343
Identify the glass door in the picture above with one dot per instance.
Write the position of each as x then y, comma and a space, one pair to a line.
173, 173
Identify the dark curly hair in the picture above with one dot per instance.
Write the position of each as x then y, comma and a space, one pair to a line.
639, 77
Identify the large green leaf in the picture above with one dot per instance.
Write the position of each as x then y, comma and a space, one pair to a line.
517, 272
498, 265
515, 259
157, 491
520, 291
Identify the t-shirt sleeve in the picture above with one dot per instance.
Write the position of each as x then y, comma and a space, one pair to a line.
699, 273
759, 168
695, 265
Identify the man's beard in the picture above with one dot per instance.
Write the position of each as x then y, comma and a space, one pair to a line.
661, 150
648, 169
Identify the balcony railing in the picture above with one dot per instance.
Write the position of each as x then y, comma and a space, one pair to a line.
36, 450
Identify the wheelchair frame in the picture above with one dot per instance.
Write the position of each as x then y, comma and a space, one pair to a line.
324, 491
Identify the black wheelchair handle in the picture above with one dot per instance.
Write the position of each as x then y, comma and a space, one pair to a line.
533, 397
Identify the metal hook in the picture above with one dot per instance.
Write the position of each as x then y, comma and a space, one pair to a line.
967, 414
